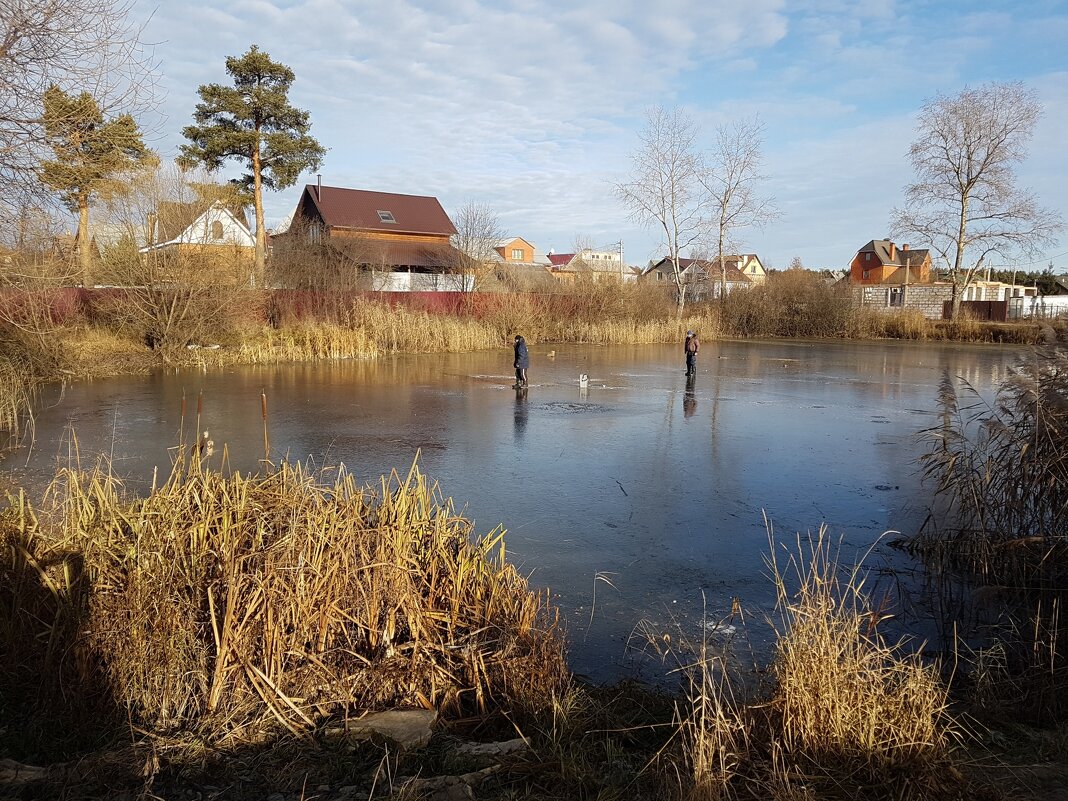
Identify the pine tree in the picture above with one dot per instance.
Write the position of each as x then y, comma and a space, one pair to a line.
92, 154
254, 123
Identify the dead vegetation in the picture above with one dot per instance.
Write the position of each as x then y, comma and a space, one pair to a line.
997, 545
234, 606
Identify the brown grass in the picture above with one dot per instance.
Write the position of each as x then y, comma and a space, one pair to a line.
846, 699
227, 604
997, 544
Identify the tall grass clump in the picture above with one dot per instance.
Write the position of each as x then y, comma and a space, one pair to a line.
892, 324
400, 329
852, 709
305, 340
1002, 469
998, 540
227, 603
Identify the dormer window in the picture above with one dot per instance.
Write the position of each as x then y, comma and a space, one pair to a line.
386, 216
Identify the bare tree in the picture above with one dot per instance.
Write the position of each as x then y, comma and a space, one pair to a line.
171, 296
667, 186
796, 264
81, 45
478, 232
731, 181
965, 203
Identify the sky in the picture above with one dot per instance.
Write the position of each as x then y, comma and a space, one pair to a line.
533, 107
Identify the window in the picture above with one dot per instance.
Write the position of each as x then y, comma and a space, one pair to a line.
217, 229
386, 216
866, 274
315, 234
867, 256
896, 296
517, 254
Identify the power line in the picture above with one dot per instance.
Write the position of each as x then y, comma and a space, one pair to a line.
1017, 265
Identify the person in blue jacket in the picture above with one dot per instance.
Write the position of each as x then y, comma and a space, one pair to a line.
522, 361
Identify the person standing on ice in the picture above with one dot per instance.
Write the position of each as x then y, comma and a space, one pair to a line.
693, 344
522, 361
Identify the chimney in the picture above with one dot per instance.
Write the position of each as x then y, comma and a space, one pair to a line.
318, 186
905, 246
893, 252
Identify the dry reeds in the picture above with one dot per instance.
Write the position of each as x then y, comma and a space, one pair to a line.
224, 603
849, 703
715, 729
1000, 473
1002, 470
399, 329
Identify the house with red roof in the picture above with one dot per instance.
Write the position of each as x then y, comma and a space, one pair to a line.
882, 262
404, 241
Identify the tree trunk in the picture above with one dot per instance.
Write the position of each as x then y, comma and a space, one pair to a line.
958, 260
261, 234
85, 240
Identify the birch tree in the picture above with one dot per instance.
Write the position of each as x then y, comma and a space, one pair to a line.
667, 187
965, 203
732, 180
478, 231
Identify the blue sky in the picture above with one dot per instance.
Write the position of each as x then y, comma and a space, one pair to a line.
533, 107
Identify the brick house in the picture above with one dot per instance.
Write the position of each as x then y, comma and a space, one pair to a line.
882, 262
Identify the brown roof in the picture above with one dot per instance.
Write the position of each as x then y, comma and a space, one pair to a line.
881, 249
173, 218
371, 211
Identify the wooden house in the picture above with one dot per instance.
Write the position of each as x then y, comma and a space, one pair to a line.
389, 234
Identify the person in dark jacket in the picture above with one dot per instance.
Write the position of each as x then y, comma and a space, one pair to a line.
693, 344
522, 361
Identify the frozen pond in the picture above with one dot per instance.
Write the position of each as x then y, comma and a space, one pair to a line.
638, 490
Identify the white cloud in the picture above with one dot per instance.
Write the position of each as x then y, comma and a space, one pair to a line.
533, 106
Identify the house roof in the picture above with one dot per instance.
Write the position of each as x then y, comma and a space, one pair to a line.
709, 266
173, 218
508, 240
882, 247
373, 211
560, 259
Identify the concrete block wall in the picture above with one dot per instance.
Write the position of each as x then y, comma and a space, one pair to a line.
925, 298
